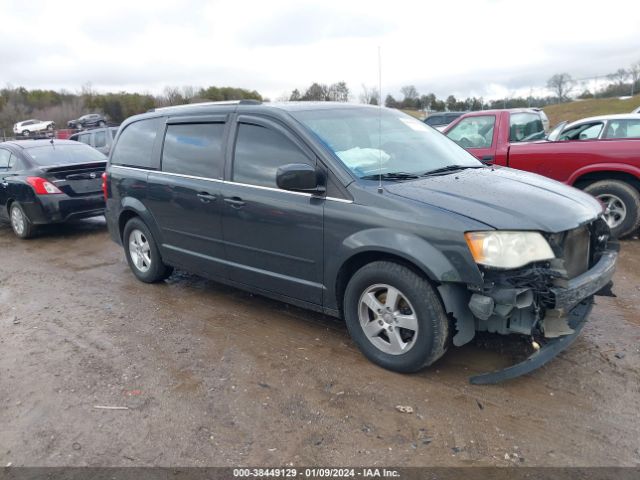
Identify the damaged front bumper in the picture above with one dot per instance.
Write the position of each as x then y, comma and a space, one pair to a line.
538, 302
577, 320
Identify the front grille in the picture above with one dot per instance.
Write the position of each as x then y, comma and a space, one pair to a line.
575, 251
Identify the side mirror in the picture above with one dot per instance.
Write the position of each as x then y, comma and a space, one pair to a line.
299, 177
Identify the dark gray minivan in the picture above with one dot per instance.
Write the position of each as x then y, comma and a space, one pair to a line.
362, 213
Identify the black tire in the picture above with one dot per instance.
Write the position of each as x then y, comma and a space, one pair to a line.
26, 133
628, 195
20, 223
101, 123
50, 127
157, 270
433, 325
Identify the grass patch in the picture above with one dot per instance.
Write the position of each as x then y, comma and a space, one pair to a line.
579, 109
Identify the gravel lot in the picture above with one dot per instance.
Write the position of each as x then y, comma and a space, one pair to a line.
210, 375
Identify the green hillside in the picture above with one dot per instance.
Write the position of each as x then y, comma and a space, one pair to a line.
578, 109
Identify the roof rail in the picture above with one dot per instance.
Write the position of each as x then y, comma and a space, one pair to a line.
206, 104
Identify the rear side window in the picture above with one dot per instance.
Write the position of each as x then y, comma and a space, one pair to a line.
99, 139
524, 127
623, 129
194, 149
5, 156
135, 144
259, 152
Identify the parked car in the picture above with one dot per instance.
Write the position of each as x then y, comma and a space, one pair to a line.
593, 155
440, 120
28, 127
88, 121
49, 181
100, 138
619, 126
360, 212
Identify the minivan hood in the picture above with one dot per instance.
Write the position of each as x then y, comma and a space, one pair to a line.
504, 198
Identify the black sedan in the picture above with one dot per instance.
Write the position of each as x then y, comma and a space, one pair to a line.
49, 181
88, 121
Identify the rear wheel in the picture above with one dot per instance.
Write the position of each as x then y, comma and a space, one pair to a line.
101, 123
142, 253
25, 133
20, 223
395, 317
622, 202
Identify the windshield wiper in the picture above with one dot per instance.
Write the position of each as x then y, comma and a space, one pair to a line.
391, 176
448, 168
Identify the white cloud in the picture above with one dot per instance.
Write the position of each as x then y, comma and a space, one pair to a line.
481, 47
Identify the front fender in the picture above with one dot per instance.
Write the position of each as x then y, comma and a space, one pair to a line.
411, 247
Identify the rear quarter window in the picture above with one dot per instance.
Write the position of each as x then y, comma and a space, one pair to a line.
135, 144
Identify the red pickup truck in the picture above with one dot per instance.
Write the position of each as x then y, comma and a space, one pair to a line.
600, 155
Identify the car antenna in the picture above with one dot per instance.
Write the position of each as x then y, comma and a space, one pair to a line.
380, 190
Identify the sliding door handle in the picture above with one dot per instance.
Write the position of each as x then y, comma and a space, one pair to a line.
235, 202
206, 197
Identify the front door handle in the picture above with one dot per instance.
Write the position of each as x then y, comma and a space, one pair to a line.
235, 202
206, 197
487, 159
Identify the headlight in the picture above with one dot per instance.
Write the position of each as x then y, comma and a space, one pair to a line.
502, 249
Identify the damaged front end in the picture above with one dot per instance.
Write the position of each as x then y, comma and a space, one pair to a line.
546, 301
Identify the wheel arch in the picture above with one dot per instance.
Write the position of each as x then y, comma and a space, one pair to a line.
628, 174
132, 207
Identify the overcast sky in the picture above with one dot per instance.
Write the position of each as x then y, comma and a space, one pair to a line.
489, 48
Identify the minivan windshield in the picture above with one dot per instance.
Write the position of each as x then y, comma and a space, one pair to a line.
64, 154
375, 141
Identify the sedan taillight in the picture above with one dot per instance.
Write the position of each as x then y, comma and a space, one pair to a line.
42, 186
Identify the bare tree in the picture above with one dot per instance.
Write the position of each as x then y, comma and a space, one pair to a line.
189, 92
619, 76
370, 95
634, 73
561, 84
409, 92
171, 96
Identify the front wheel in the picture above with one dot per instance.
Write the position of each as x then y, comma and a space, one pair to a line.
25, 133
142, 253
395, 317
622, 203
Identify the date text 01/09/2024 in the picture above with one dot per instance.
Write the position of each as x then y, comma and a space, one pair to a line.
315, 473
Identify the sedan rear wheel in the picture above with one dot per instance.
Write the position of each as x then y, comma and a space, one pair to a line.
20, 224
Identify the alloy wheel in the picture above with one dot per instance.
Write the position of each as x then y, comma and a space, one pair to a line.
616, 210
17, 220
140, 250
388, 319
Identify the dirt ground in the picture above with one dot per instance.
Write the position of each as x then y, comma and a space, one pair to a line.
210, 375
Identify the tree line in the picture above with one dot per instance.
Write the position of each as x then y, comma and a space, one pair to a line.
18, 103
